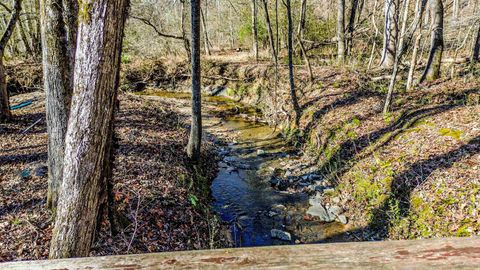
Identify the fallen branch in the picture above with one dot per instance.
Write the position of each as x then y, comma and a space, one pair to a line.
32, 125
147, 22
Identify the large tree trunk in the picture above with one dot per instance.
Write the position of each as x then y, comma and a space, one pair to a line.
5, 113
89, 128
270, 32
254, 29
390, 35
293, 93
195, 139
58, 59
432, 69
341, 31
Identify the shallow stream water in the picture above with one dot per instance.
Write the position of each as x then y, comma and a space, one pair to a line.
243, 196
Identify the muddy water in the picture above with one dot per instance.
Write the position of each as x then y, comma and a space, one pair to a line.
243, 195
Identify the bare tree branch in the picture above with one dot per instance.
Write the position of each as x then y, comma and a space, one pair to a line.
149, 23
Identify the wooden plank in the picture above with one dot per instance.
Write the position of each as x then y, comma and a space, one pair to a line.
447, 253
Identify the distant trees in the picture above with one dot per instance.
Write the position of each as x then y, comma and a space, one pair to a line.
59, 35
5, 113
90, 127
195, 139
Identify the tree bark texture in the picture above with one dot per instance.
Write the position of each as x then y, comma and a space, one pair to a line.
100, 34
58, 81
432, 69
5, 113
390, 35
195, 139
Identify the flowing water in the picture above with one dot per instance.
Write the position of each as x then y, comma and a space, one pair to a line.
243, 196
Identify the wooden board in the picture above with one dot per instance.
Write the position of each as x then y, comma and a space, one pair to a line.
447, 253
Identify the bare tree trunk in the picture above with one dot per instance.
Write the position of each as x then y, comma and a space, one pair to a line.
230, 26
205, 33
37, 40
374, 46
301, 27
88, 137
270, 33
195, 139
293, 93
24, 38
58, 82
351, 26
476, 46
341, 31
277, 36
456, 10
413, 62
390, 35
403, 45
254, 29
432, 69
5, 113
186, 40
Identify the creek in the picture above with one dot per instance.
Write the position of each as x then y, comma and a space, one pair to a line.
251, 153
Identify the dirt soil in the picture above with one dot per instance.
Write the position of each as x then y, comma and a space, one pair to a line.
162, 202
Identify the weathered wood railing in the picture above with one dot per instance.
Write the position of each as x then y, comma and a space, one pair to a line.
448, 253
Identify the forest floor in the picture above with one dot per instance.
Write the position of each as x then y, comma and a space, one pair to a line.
163, 203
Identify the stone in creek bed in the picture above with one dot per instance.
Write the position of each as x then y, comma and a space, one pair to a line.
222, 165
335, 210
260, 152
229, 159
274, 181
282, 235
342, 219
282, 186
320, 212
